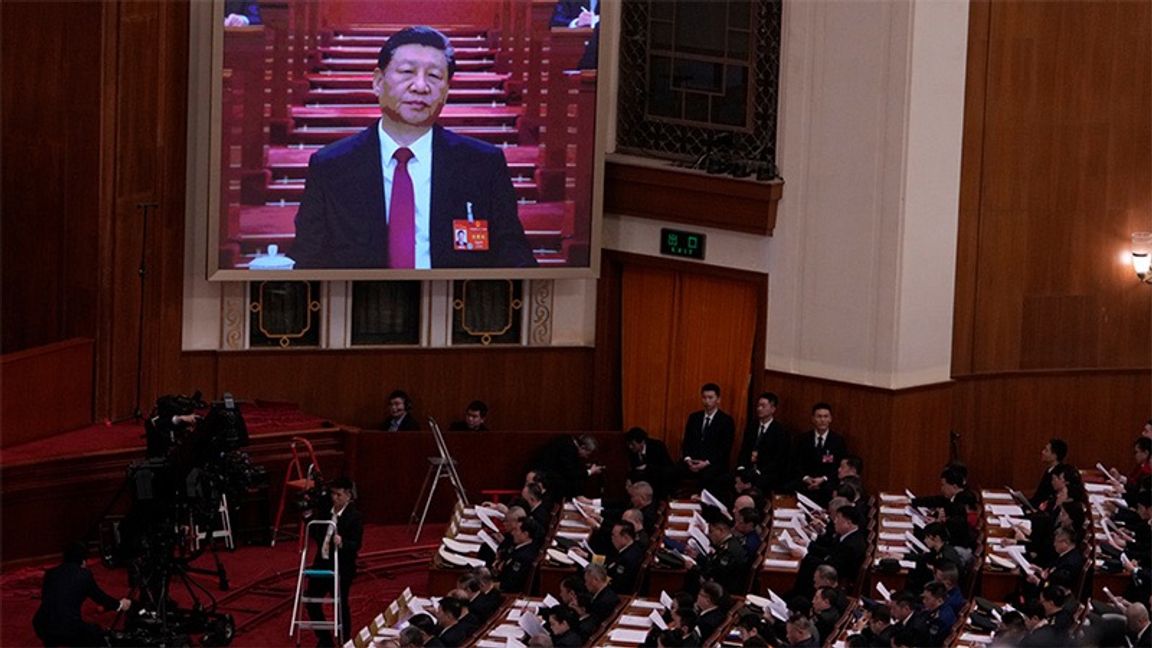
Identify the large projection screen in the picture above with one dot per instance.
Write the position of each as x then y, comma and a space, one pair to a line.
293, 123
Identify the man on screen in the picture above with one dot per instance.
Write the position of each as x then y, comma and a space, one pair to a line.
396, 194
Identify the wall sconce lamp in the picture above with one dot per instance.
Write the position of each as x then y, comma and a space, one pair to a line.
1142, 255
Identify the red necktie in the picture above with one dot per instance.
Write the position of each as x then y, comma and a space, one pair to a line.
402, 215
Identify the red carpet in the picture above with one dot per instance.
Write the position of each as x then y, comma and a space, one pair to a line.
375, 587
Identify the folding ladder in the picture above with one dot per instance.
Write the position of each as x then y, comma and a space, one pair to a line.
300, 618
223, 531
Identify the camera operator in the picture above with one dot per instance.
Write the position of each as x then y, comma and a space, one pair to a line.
347, 536
171, 418
58, 621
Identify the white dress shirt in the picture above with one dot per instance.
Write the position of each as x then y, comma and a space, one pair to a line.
420, 170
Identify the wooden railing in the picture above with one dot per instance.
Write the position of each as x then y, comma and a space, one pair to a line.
46, 390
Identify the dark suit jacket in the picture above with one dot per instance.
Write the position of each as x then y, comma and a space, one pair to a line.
657, 466
570, 639
716, 447
516, 569
560, 459
1144, 639
568, 10
341, 222
457, 635
873, 640
708, 623
350, 526
917, 624
625, 568
1067, 568
64, 590
407, 424
1044, 637
604, 603
772, 452
1044, 488
848, 554
485, 605
807, 461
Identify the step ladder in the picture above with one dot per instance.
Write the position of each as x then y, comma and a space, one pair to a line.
224, 530
297, 479
300, 620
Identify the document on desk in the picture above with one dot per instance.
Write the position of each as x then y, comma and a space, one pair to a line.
461, 547
627, 635
530, 624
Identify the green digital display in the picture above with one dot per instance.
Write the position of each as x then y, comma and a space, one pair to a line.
679, 243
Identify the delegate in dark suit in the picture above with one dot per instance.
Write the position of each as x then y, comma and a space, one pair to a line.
772, 448
846, 554
818, 461
713, 445
341, 222
58, 621
650, 463
561, 460
625, 568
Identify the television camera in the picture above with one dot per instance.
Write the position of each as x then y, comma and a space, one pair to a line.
194, 459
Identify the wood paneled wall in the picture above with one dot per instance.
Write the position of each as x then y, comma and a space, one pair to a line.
45, 390
526, 389
902, 435
1000, 421
1004, 420
51, 56
1053, 333
1057, 158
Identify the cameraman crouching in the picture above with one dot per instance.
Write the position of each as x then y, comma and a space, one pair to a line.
347, 536
58, 621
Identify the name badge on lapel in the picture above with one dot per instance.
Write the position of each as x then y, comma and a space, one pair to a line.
469, 235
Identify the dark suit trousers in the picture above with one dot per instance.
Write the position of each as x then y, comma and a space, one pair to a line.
319, 586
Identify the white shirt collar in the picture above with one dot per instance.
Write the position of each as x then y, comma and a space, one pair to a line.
421, 148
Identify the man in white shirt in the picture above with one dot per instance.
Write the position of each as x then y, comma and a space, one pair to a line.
336, 550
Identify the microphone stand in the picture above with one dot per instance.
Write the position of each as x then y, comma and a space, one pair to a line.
142, 270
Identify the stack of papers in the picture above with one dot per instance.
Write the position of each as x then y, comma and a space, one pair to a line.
461, 547
627, 635
1006, 509
458, 560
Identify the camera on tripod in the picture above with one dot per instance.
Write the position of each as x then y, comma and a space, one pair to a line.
177, 493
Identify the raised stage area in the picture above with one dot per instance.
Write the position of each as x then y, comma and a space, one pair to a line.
63, 484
